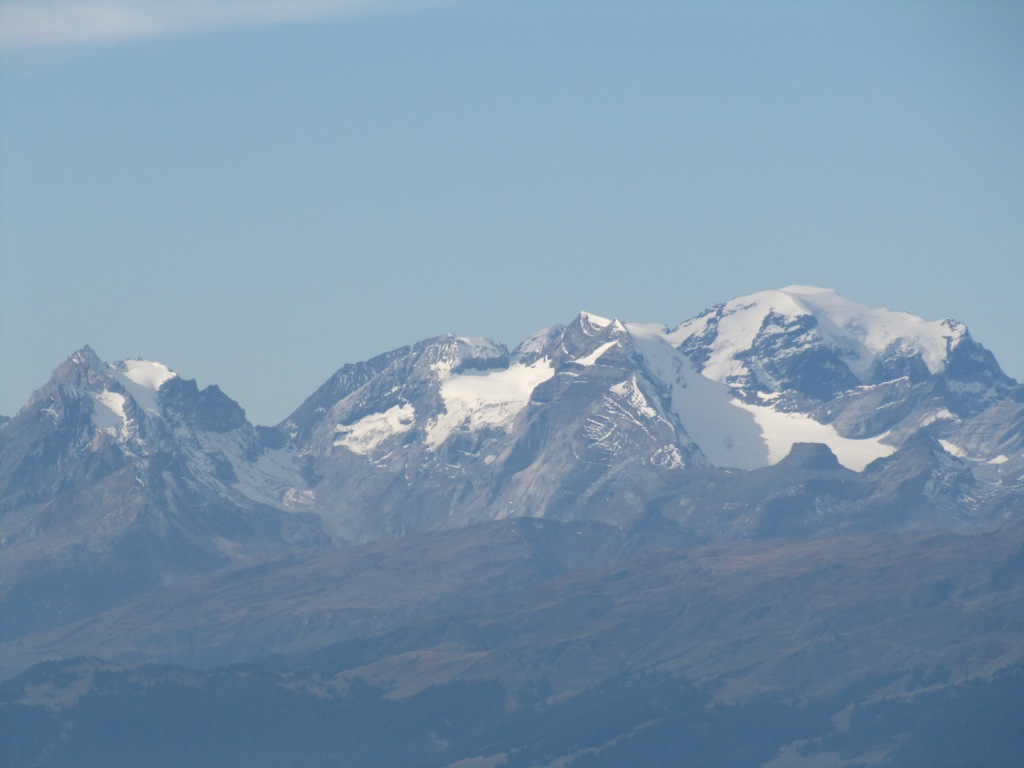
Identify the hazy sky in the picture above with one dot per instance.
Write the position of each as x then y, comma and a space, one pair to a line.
256, 192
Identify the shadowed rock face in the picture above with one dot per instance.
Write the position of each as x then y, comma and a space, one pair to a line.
813, 456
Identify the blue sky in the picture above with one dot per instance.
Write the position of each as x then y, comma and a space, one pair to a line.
257, 192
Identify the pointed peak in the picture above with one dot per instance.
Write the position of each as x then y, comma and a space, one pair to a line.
84, 356
592, 322
595, 321
81, 367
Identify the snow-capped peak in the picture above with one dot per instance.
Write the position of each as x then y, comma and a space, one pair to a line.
860, 334
595, 320
877, 330
85, 356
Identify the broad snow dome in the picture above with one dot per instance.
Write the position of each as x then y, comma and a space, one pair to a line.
146, 373
877, 329
865, 333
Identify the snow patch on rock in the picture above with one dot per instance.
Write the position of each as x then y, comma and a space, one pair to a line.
594, 356
142, 380
369, 432
942, 414
727, 436
953, 449
108, 411
781, 430
630, 392
479, 399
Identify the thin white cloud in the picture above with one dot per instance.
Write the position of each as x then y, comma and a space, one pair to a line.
28, 23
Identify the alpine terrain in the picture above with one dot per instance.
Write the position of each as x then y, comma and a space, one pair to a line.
787, 532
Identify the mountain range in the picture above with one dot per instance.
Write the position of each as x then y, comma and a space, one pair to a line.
789, 498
